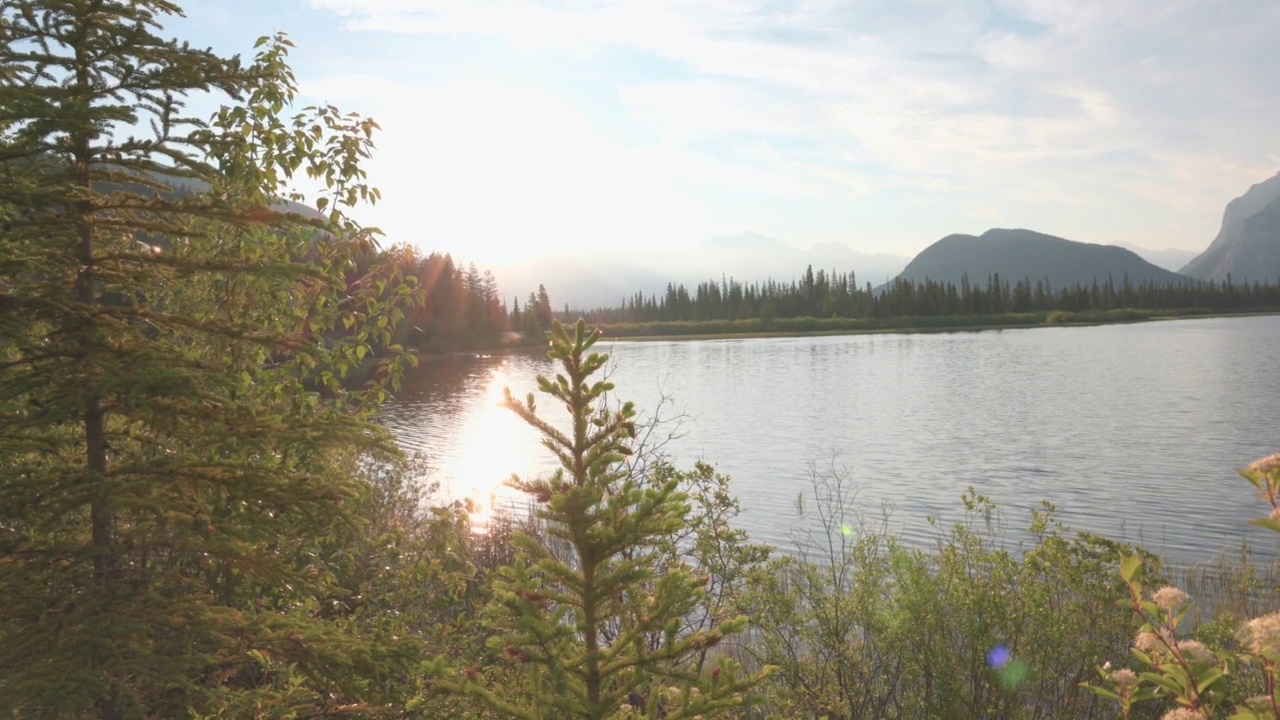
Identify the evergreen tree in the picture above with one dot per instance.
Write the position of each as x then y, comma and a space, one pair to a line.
176, 437
514, 320
601, 623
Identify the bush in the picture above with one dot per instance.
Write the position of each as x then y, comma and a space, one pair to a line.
861, 626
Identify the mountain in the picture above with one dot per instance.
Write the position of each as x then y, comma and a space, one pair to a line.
1171, 259
1248, 245
600, 280
751, 257
582, 281
1018, 254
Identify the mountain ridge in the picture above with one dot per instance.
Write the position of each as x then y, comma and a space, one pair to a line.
1016, 254
1247, 246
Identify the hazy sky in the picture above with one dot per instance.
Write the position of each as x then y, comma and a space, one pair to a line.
530, 128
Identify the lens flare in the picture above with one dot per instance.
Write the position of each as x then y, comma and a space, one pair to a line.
999, 656
1014, 673
1011, 671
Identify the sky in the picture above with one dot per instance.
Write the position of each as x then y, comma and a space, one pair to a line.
513, 130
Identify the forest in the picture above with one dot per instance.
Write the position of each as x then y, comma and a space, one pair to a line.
200, 516
457, 308
827, 298
461, 309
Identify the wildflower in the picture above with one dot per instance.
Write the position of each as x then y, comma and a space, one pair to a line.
1263, 635
1195, 651
1149, 643
1265, 465
625, 707
1184, 713
1170, 598
1126, 680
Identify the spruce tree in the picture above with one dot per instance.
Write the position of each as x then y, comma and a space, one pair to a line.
597, 610
177, 437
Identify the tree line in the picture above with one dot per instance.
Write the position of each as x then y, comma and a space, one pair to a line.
462, 308
821, 294
456, 307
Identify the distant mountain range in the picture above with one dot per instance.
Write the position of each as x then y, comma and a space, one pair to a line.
1247, 248
589, 281
1248, 245
1018, 254
1171, 259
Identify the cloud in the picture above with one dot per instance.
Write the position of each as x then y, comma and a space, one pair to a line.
1076, 110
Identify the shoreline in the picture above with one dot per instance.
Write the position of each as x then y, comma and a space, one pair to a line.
1155, 316
1162, 316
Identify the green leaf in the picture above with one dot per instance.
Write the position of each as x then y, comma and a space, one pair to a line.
1168, 684
1100, 691
1129, 567
1268, 523
1210, 678
1253, 477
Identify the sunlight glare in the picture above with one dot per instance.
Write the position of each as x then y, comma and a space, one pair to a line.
494, 445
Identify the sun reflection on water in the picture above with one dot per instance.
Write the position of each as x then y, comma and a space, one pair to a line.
492, 444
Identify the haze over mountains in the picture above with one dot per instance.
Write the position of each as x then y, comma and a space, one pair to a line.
1248, 245
587, 281
1172, 259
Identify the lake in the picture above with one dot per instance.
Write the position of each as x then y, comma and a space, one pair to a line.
1132, 431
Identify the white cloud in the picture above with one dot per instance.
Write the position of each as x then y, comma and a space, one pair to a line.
695, 110
1078, 109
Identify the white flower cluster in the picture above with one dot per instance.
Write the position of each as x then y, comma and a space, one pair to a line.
1262, 635
1152, 643
1265, 465
1126, 681
1195, 651
1170, 598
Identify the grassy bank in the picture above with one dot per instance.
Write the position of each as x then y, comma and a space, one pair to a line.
810, 326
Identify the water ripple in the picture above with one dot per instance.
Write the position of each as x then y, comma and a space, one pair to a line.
1132, 431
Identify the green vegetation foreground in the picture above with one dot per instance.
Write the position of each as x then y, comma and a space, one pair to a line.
179, 455
198, 518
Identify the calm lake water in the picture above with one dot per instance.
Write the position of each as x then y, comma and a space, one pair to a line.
1132, 431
